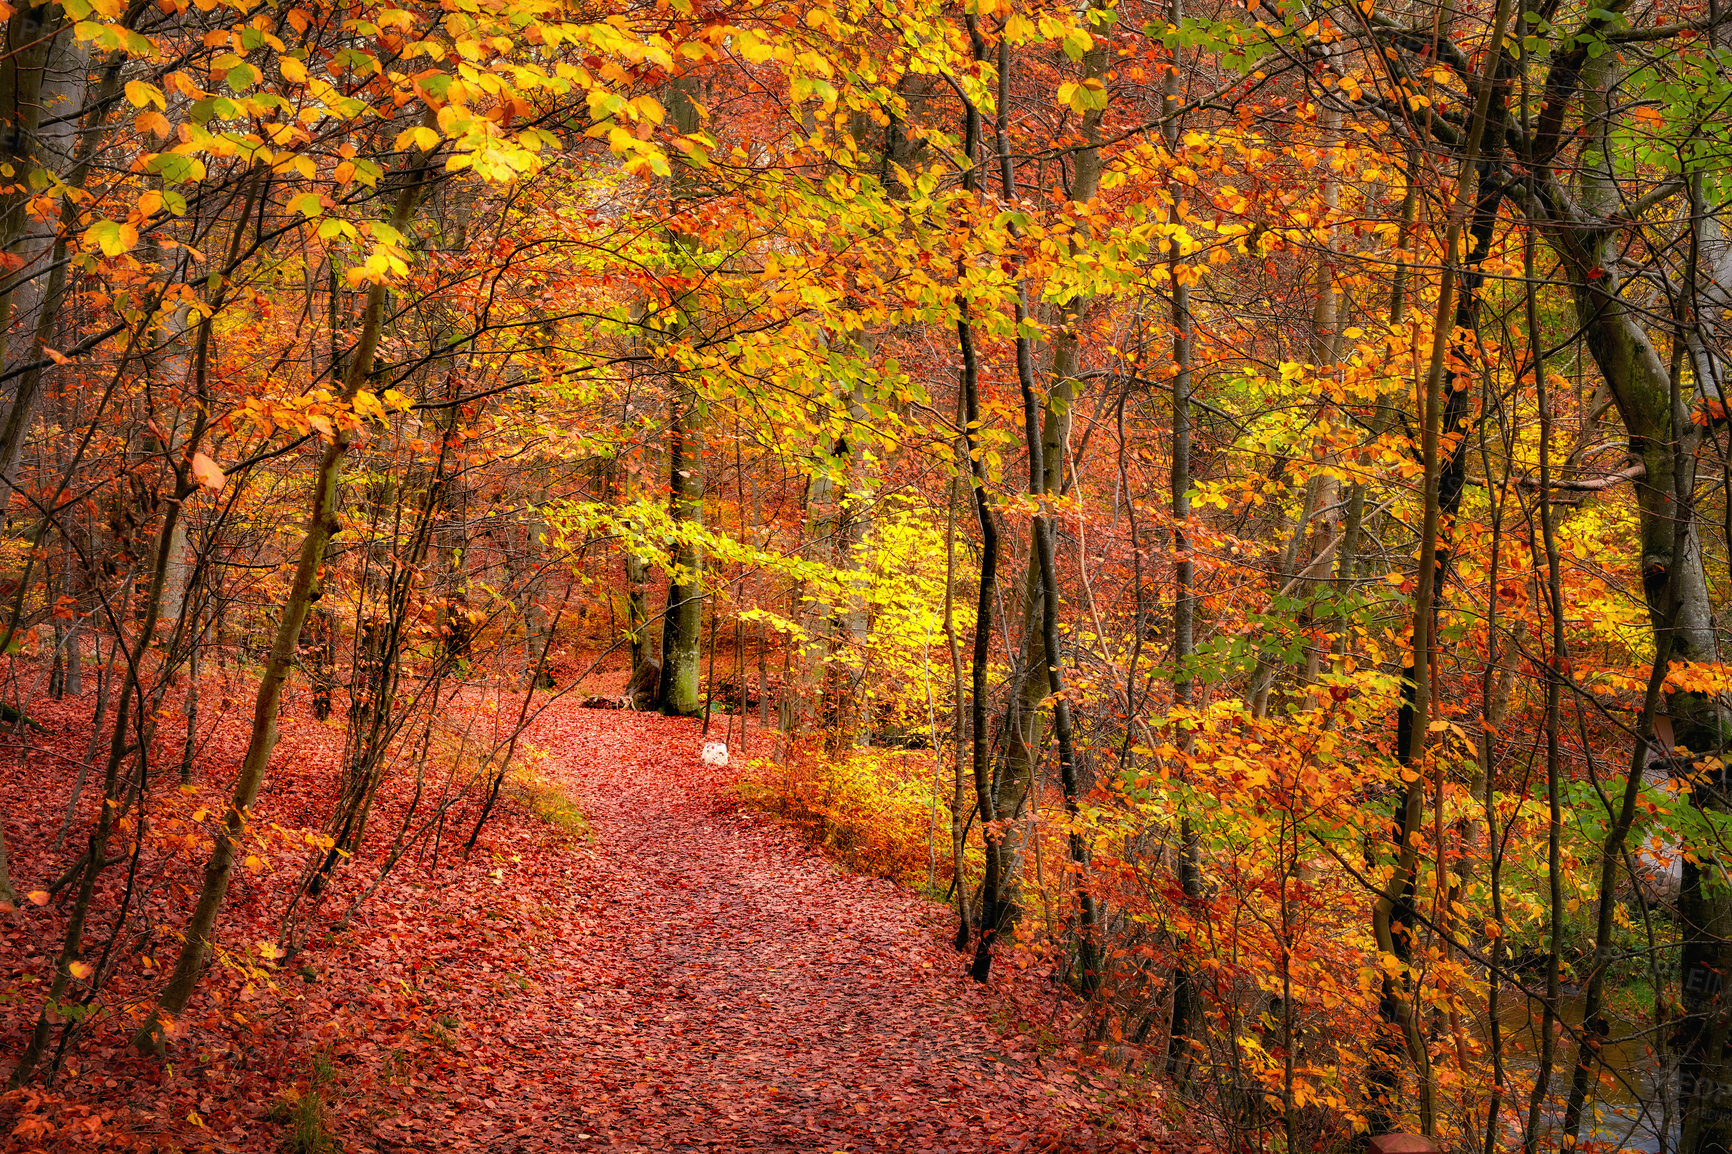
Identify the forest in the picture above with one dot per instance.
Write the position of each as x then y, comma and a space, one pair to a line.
834, 574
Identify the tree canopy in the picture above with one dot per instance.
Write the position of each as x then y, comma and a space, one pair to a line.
1233, 499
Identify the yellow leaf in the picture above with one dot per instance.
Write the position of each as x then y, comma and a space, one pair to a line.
39, 897
420, 137
367, 405
753, 47
81, 970
140, 94
293, 70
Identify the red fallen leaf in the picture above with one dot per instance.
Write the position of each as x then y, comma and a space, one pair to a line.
756, 1005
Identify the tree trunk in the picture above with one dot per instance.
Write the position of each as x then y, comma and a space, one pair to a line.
958, 795
43, 79
1650, 399
981, 752
1394, 919
682, 632
1025, 730
113, 791
263, 738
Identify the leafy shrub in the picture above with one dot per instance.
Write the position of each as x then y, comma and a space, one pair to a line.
872, 809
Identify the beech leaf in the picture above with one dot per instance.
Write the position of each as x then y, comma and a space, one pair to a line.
206, 473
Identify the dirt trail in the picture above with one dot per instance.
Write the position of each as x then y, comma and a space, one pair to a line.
737, 993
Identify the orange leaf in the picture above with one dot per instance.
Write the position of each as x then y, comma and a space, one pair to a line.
206, 472
153, 121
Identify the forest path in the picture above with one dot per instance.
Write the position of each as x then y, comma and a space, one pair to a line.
737, 992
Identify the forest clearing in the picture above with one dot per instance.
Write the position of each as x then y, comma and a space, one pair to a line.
826, 574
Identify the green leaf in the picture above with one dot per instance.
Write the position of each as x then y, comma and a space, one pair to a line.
111, 236
174, 168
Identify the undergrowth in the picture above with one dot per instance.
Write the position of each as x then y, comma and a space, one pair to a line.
870, 809
302, 1112
531, 787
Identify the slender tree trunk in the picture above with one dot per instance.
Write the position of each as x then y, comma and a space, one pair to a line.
1554, 763
1394, 919
1040, 676
1025, 729
991, 832
1187, 1017
320, 524
114, 788
958, 795
682, 624
189, 747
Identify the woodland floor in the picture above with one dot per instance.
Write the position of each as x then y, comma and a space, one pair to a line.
685, 978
